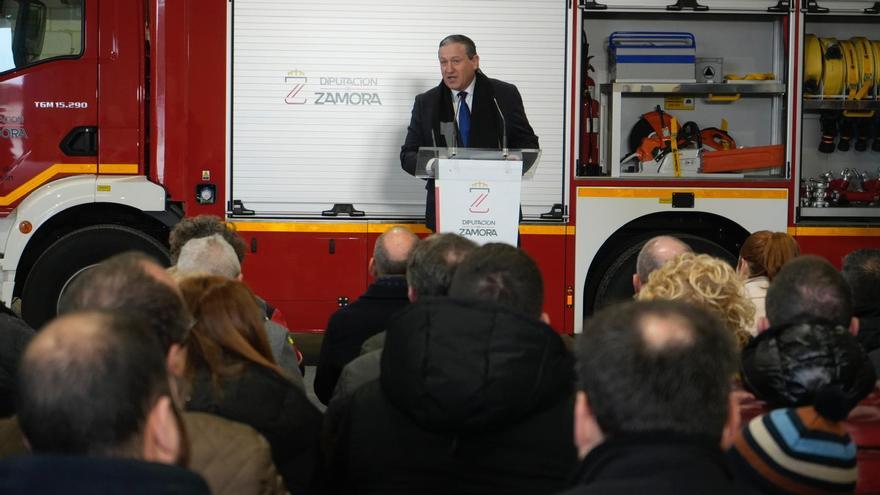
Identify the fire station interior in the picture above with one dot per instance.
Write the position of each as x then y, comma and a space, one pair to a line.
774, 110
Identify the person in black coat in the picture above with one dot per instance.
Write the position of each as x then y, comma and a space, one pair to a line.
653, 407
861, 270
351, 325
807, 338
495, 108
475, 393
14, 337
233, 375
96, 408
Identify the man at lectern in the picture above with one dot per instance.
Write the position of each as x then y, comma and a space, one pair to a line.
479, 111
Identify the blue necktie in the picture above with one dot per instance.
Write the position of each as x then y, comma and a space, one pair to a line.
464, 119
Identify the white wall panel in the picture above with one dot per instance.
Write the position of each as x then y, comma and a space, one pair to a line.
298, 157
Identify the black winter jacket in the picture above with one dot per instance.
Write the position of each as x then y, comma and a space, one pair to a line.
276, 408
657, 463
785, 366
14, 337
351, 325
472, 398
869, 333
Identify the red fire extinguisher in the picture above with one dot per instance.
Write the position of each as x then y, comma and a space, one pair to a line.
589, 138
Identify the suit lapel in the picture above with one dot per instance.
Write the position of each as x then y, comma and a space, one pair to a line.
484, 120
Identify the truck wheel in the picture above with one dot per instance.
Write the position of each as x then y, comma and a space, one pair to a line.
72, 254
610, 278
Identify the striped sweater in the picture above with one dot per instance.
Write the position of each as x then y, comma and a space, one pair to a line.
795, 451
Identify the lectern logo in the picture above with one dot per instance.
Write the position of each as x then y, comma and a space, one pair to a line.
479, 192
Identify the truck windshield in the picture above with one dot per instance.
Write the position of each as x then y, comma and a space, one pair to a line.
32, 31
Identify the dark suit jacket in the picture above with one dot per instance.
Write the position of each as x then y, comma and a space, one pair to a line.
435, 106
351, 325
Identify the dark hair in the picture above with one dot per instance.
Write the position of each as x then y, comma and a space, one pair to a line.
229, 330
861, 270
122, 282
635, 383
433, 262
502, 274
808, 290
469, 46
204, 226
90, 396
766, 252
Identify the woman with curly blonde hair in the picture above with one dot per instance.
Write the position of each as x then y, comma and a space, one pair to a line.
708, 282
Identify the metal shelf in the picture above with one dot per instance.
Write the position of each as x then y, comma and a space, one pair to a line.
757, 88
841, 212
816, 104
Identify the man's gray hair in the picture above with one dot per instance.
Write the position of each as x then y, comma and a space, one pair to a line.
656, 252
433, 262
208, 256
392, 250
469, 46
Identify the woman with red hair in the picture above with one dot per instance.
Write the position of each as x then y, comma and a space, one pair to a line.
760, 259
233, 375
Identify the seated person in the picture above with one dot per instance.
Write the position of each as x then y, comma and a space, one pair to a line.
474, 395
806, 339
654, 406
707, 282
234, 375
798, 450
351, 325
760, 259
212, 255
96, 407
861, 270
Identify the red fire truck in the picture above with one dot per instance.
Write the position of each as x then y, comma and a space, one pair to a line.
119, 118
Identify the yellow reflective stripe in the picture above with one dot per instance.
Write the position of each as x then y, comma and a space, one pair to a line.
645, 193
44, 176
348, 228
543, 229
374, 228
835, 231
325, 227
118, 168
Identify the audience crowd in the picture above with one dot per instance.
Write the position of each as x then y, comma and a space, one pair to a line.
446, 377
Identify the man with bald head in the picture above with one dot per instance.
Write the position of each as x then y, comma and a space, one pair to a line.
653, 408
95, 406
654, 254
351, 325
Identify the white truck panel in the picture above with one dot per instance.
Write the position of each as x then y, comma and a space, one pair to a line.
322, 94
602, 211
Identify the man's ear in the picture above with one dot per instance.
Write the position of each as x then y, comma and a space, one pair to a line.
175, 361
763, 324
162, 435
732, 424
637, 283
545, 318
587, 434
411, 294
240, 276
854, 326
371, 267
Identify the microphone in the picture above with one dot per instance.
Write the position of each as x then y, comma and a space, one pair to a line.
503, 127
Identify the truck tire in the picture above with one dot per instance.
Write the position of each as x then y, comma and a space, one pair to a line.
610, 279
70, 255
